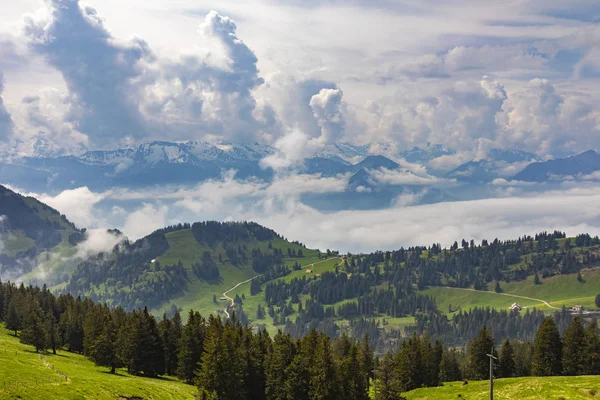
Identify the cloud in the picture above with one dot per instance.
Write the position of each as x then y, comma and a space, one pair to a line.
326, 110
100, 71
6, 122
78, 205
212, 91
145, 220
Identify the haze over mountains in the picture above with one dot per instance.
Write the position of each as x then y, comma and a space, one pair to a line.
373, 180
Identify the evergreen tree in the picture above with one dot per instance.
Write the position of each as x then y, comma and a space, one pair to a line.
597, 300
409, 364
12, 320
547, 351
323, 383
104, 351
591, 349
573, 345
506, 360
387, 384
142, 347
34, 329
190, 347
281, 357
52, 331
450, 367
477, 350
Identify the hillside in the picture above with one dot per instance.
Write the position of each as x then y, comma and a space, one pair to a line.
26, 375
219, 268
30, 233
528, 388
186, 266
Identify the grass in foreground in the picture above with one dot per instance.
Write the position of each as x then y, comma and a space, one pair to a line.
20, 363
529, 388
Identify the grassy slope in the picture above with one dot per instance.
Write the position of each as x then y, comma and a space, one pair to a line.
530, 388
558, 291
85, 381
199, 295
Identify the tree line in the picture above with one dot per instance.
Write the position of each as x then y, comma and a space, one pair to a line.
229, 360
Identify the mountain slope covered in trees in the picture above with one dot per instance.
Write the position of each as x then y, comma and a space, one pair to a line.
30, 231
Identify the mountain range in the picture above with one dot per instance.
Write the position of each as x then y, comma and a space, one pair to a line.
372, 179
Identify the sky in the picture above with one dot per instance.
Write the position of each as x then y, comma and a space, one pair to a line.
472, 75
300, 75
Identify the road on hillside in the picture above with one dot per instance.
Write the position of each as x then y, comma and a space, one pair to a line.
505, 294
248, 280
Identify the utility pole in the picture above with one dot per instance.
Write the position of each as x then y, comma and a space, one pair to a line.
492, 358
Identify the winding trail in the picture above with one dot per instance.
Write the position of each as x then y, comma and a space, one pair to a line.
504, 294
233, 288
248, 280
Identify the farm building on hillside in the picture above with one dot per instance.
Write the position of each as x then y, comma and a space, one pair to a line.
516, 307
577, 309
309, 271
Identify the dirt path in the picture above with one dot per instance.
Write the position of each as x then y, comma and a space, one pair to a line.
505, 294
248, 280
233, 288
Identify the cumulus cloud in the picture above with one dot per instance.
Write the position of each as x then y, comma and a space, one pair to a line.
6, 122
77, 204
145, 220
540, 119
212, 91
100, 71
326, 110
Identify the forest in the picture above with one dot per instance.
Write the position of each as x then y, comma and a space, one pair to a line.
229, 360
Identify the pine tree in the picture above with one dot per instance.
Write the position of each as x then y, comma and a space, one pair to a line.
13, 321
104, 351
190, 347
506, 364
323, 382
387, 384
52, 330
409, 364
536, 279
592, 349
34, 329
547, 351
366, 366
597, 300
477, 351
282, 355
573, 341
449, 367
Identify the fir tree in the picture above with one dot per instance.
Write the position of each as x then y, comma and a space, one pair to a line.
573, 356
12, 320
591, 349
547, 351
450, 367
506, 360
34, 329
387, 384
477, 351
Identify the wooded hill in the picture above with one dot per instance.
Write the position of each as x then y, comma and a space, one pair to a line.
30, 231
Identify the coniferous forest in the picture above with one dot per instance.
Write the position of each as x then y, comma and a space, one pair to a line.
229, 360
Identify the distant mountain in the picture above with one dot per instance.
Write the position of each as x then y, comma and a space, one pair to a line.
423, 155
29, 228
574, 166
497, 164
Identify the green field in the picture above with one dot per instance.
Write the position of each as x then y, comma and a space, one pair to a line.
530, 388
37, 380
556, 291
